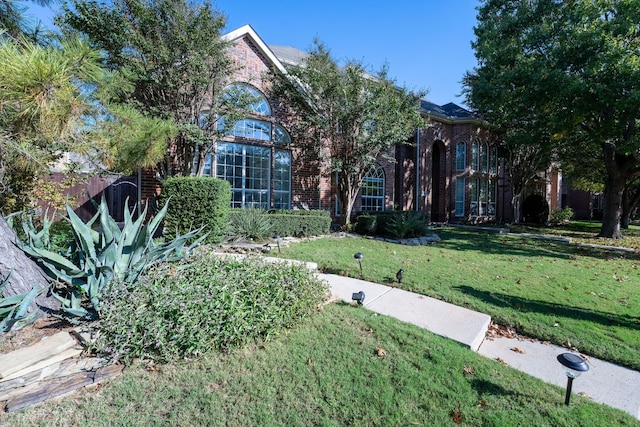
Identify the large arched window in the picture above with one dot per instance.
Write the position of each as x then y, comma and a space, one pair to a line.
258, 169
373, 190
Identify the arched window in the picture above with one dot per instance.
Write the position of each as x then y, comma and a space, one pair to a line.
259, 173
373, 190
243, 92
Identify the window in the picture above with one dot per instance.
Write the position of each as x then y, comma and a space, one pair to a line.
461, 184
461, 156
280, 135
475, 156
373, 190
282, 179
260, 174
238, 91
253, 129
247, 169
483, 197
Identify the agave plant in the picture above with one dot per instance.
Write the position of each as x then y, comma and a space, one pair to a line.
110, 254
14, 312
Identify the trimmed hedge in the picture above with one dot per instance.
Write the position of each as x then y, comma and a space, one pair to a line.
195, 202
297, 223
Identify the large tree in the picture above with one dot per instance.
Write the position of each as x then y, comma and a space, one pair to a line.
172, 53
567, 70
347, 115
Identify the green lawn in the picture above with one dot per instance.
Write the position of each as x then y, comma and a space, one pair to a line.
342, 366
569, 295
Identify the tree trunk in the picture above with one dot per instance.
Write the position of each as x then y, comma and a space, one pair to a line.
25, 274
515, 203
618, 168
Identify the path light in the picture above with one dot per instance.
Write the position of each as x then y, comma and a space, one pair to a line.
277, 239
358, 256
358, 297
574, 366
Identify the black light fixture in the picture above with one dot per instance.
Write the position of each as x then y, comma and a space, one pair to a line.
358, 257
276, 237
574, 366
358, 297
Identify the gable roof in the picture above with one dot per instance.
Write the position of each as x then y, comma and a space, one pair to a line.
280, 56
248, 31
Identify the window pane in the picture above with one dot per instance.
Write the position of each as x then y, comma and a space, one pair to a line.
460, 188
461, 156
373, 190
475, 156
248, 173
281, 135
236, 91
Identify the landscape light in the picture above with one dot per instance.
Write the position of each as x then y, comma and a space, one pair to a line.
277, 239
358, 297
358, 256
574, 366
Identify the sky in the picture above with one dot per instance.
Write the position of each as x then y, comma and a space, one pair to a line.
425, 43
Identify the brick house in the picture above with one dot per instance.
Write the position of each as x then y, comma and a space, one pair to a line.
450, 171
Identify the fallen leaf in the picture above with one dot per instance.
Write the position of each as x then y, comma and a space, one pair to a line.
457, 417
582, 393
381, 352
482, 403
518, 350
518, 282
501, 360
468, 370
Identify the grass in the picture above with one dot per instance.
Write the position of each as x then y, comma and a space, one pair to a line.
585, 232
570, 295
342, 366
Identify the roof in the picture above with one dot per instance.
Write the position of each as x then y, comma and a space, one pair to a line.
248, 31
289, 55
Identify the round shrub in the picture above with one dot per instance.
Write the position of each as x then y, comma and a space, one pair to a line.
181, 310
535, 209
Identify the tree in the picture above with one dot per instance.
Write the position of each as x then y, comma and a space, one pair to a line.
567, 71
14, 23
43, 112
348, 115
172, 53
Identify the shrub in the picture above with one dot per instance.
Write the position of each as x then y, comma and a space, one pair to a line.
366, 224
560, 216
14, 310
407, 224
196, 202
535, 209
95, 259
253, 224
300, 223
184, 309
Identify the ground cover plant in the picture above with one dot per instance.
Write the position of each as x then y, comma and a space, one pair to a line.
180, 310
576, 296
342, 366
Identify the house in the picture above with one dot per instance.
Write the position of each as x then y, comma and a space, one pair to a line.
450, 171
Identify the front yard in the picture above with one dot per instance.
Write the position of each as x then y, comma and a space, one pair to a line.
581, 297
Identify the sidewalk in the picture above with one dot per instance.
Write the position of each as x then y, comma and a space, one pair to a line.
605, 382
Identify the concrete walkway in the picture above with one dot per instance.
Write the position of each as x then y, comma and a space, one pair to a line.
605, 382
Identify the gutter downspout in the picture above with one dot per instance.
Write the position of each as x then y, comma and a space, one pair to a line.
417, 169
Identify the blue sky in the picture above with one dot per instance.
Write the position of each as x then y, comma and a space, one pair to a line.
426, 43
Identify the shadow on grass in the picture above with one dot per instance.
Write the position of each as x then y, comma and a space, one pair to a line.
489, 243
528, 305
